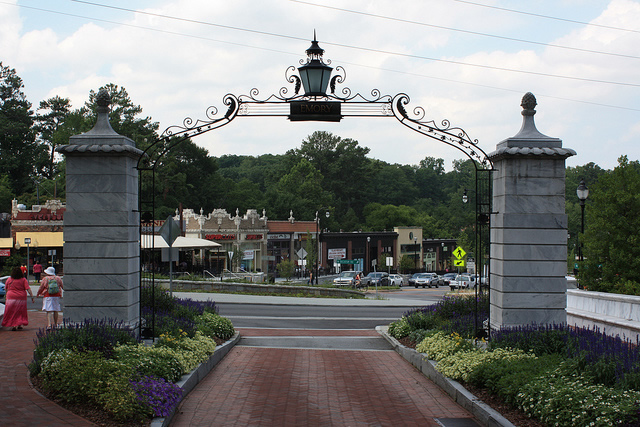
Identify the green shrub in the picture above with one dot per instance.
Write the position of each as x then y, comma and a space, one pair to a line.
190, 352
422, 320
88, 377
461, 365
420, 334
571, 400
214, 325
399, 328
506, 377
91, 335
150, 361
440, 345
539, 339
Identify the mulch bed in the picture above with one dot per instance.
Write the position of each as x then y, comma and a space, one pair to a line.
513, 414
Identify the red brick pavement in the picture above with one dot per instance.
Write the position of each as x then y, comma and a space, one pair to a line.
272, 386
20, 404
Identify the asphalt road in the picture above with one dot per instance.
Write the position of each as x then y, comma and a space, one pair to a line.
325, 314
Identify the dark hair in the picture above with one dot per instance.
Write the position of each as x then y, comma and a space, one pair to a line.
16, 273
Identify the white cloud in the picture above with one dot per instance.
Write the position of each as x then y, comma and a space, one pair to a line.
177, 68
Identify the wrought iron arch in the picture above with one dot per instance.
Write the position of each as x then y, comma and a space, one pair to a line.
283, 104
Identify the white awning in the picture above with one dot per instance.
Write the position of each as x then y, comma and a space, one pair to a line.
181, 242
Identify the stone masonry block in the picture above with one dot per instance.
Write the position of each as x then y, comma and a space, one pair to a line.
102, 282
103, 266
528, 252
532, 300
511, 236
102, 250
528, 284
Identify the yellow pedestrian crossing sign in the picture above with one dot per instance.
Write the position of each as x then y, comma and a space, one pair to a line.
459, 253
458, 263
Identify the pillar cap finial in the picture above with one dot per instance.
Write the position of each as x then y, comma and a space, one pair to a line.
528, 104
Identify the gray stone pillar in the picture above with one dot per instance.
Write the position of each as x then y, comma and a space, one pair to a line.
101, 224
529, 227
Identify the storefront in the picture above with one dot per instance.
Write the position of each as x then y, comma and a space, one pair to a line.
243, 239
37, 233
361, 251
292, 240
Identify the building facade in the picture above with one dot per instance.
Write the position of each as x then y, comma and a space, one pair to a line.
36, 233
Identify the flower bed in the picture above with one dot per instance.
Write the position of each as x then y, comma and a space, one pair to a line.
100, 367
558, 375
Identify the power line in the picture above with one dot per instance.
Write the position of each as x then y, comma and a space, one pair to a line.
488, 67
475, 33
289, 53
555, 18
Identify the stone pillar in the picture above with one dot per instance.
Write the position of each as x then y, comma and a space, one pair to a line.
101, 224
529, 227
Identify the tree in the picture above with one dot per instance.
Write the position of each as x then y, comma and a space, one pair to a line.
612, 231
52, 114
332, 156
21, 157
300, 190
407, 263
285, 269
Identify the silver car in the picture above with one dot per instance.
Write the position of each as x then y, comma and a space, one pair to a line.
346, 278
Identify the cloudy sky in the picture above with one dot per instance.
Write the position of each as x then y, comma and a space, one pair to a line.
466, 61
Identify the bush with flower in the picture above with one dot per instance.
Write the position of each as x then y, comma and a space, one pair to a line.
102, 365
560, 375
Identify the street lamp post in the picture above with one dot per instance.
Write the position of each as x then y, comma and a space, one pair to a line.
27, 241
326, 214
415, 253
583, 194
368, 263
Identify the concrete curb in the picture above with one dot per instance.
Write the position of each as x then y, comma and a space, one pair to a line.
486, 415
190, 380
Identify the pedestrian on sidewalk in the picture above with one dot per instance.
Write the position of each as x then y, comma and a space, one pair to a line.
37, 270
15, 310
51, 290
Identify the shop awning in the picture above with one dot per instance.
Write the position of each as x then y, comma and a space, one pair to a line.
6, 242
181, 243
41, 239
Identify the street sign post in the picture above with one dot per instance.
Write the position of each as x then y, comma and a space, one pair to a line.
346, 261
170, 231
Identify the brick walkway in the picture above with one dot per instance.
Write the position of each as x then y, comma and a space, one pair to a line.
20, 405
295, 387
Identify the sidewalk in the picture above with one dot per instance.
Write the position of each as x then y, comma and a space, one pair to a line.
21, 405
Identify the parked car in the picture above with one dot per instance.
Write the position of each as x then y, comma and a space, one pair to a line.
373, 279
3, 292
483, 281
392, 280
426, 280
412, 280
346, 278
461, 281
450, 276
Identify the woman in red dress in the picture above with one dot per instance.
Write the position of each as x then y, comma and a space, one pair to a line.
15, 309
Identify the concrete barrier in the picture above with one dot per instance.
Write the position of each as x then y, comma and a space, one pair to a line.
614, 314
204, 286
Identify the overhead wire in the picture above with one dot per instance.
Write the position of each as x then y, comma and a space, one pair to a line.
366, 49
459, 30
555, 18
304, 39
